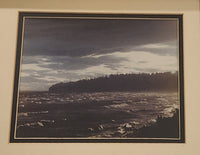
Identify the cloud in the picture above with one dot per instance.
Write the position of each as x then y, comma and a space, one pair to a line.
64, 69
33, 67
156, 46
62, 50
78, 37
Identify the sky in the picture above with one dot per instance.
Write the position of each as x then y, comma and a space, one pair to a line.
65, 49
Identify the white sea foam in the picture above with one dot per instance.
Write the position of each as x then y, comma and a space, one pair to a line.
127, 125
40, 124
23, 114
121, 130
47, 121
39, 112
117, 105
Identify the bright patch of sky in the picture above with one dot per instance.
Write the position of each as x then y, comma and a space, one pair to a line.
131, 62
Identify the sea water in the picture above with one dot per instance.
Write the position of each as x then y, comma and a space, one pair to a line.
99, 114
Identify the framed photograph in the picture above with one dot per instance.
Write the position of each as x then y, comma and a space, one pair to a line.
98, 78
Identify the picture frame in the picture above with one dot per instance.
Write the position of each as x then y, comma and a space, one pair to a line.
19, 55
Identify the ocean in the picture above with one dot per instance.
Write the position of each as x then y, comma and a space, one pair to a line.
91, 115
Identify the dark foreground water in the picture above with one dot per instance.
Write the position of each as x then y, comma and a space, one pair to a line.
105, 114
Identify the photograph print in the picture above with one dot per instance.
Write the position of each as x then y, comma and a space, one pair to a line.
98, 78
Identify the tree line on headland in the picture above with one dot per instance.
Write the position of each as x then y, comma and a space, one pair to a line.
166, 81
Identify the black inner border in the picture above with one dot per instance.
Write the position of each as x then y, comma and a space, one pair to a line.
146, 140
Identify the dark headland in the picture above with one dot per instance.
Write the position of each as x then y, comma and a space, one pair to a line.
166, 81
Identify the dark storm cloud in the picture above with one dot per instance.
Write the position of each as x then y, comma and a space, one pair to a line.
80, 37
